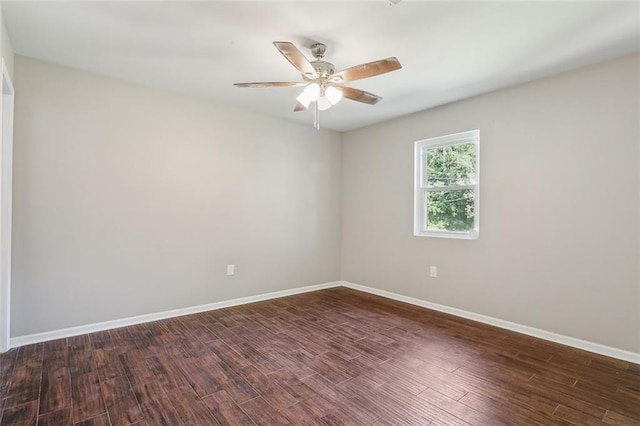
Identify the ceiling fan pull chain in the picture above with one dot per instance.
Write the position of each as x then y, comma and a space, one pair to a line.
316, 116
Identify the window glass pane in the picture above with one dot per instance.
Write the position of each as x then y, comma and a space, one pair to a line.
450, 210
451, 165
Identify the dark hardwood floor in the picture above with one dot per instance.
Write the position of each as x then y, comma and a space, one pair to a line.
330, 357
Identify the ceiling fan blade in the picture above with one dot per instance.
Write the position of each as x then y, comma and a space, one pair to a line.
367, 70
296, 58
270, 84
359, 95
299, 107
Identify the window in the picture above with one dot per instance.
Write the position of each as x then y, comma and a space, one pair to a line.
446, 186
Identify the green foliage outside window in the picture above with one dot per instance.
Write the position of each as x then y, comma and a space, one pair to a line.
451, 209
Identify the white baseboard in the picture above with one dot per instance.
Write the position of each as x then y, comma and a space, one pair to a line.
535, 332
106, 325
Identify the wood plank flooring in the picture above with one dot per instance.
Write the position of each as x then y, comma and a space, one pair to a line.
331, 357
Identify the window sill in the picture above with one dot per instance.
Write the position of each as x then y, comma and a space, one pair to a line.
471, 235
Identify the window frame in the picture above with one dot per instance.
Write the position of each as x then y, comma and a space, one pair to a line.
421, 190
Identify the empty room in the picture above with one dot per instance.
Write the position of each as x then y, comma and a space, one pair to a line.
381, 212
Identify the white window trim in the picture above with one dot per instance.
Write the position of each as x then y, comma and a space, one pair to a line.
419, 203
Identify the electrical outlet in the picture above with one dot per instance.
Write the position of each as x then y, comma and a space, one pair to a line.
231, 269
433, 271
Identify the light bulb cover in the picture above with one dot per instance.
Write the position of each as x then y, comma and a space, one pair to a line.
311, 93
303, 100
333, 94
324, 103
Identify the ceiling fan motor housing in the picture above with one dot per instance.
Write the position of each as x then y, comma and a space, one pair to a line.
323, 69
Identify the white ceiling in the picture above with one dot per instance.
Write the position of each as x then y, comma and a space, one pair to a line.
449, 50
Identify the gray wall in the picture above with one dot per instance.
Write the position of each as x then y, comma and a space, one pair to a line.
559, 210
129, 200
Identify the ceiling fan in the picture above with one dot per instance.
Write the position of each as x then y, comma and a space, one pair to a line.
323, 85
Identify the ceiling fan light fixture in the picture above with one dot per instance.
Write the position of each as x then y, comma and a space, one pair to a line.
311, 93
333, 94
